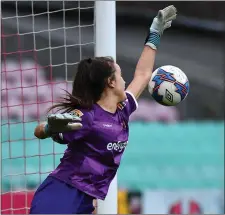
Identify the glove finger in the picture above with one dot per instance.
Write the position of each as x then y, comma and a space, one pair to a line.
173, 17
67, 116
59, 116
167, 14
74, 126
59, 119
55, 116
51, 117
76, 118
71, 118
168, 24
168, 11
63, 119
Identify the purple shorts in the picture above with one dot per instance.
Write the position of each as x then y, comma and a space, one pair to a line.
56, 197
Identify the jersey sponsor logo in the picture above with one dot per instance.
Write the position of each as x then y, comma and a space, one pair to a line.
77, 112
117, 146
107, 125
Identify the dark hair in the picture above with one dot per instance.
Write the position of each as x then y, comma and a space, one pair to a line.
89, 83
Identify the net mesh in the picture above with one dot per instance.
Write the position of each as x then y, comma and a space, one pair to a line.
42, 43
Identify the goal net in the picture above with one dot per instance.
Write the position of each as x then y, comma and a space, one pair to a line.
42, 43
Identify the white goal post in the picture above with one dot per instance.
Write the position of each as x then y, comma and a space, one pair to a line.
42, 44
105, 45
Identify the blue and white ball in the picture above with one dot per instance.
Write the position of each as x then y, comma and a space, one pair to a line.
168, 85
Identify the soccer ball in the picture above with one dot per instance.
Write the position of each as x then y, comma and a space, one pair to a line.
168, 85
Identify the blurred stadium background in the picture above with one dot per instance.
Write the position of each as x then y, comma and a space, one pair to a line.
175, 159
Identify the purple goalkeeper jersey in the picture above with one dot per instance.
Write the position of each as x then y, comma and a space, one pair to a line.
94, 152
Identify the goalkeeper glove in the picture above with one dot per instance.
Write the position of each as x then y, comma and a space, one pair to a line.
161, 22
58, 123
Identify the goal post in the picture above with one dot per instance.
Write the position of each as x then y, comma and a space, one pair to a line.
105, 45
42, 44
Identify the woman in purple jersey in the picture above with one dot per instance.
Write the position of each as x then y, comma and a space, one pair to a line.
94, 124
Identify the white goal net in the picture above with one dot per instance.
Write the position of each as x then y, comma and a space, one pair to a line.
42, 43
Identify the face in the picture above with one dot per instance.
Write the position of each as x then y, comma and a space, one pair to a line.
118, 84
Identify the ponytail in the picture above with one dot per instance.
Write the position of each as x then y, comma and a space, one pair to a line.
88, 85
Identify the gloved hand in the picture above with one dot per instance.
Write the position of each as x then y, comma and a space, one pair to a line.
161, 22
58, 123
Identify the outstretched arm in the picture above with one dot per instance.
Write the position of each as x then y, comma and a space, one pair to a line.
57, 123
146, 62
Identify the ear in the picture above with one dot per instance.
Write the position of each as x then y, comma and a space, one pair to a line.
111, 82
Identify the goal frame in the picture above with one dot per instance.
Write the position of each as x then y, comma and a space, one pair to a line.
105, 45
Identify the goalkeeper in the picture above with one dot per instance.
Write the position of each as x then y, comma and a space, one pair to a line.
93, 122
